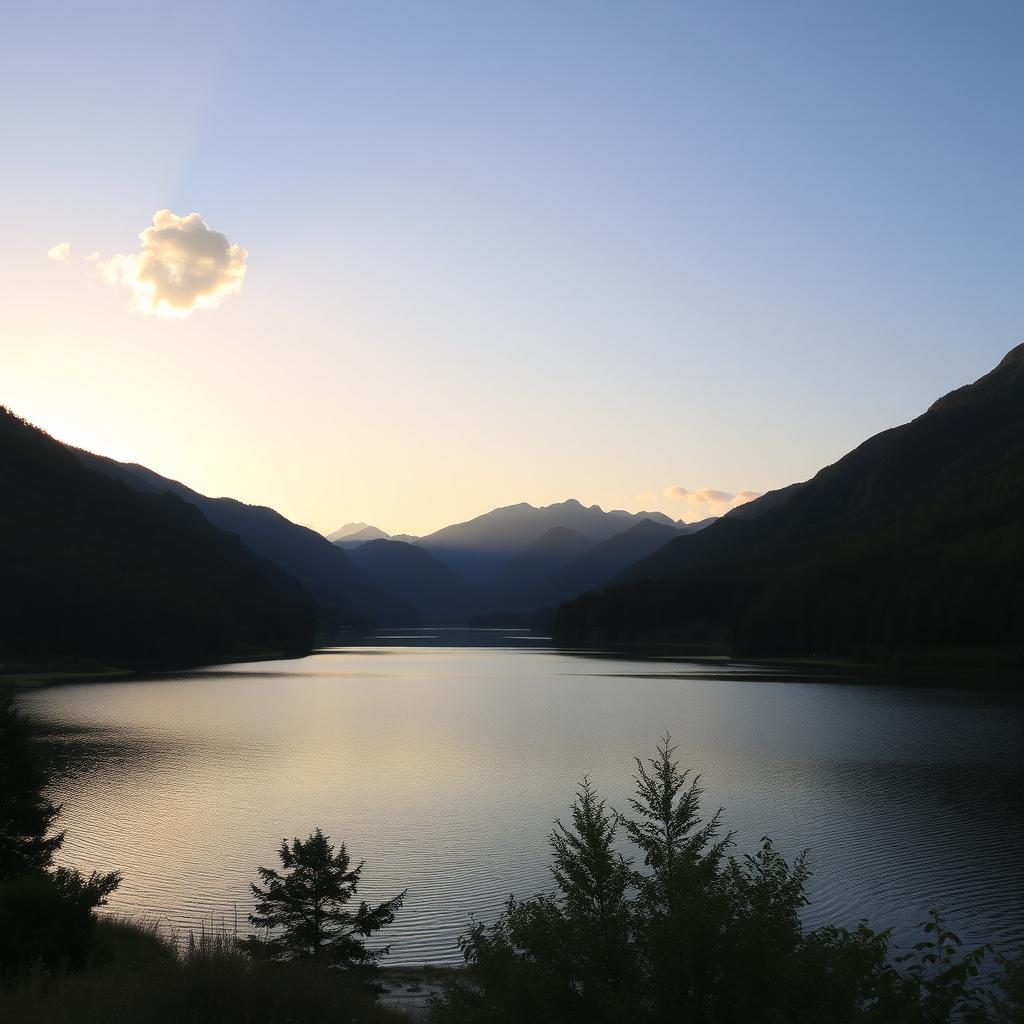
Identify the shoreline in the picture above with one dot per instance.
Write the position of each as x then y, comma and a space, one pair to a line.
957, 673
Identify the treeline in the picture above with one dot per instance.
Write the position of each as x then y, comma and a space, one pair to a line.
97, 573
677, 929
911, 547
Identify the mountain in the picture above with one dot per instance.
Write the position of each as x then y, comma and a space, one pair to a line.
95, 571
551, 550
344, 594
482, 548
520, 585
911, 546
357, 532
602, 562
765, 503
438, 595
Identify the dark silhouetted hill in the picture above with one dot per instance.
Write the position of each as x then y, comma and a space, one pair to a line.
521, 584
438, 595
765, 503
604, 561
344, 594
912, 546
96, 572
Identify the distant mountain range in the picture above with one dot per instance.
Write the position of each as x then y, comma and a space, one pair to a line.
482, 548
506, 560
512, 559
911, 546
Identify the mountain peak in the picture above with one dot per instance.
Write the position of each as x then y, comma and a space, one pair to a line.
357, 531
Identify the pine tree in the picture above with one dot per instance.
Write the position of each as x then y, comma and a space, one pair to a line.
303, 910
592, 879
668, 828
681, 904
46, 916
26, 815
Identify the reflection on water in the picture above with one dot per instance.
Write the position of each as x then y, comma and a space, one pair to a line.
444, 767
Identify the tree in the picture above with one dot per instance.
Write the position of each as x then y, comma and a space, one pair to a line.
303, 910
46, 915
26, 815
698, 936
564, 957
593, 879
681, 902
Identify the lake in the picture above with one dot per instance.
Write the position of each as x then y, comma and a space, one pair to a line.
444, 767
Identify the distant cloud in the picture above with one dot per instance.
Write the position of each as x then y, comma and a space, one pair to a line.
708, 501
182, 266
60, 253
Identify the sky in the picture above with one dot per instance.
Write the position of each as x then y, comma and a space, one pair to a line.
452, 256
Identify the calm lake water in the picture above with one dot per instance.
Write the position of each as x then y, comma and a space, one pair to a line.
444, 767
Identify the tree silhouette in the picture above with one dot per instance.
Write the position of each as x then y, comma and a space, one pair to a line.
303, 909
46, 916
592, 878
697, 936
26, 815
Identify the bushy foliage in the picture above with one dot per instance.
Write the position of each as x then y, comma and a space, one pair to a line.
697, 935
303, 911
46, 916
26, 815
140, 974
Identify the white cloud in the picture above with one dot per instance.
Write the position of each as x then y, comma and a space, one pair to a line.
182, 266
709, 501
60, 253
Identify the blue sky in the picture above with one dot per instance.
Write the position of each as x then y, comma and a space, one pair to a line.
505, 252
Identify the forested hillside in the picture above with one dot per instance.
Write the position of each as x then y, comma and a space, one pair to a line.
97, 573
910, 546
344, 595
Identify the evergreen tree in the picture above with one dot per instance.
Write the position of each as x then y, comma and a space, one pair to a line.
26, 815
304, 910
592, 879
698, 936
559, 958
46, 916
681, 902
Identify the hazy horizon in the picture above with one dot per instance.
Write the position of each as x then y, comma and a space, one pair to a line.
447, 260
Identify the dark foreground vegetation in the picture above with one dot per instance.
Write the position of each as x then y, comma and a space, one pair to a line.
136, 976
652, 919
61, 962
680, 930
97, 574
909, 548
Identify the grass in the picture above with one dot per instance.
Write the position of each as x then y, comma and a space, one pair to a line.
140, 974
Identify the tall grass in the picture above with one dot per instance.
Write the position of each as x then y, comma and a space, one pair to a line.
141, 972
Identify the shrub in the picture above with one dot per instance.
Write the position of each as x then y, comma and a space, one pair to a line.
697, 935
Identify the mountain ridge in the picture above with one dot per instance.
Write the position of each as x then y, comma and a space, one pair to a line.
96, 570
343, 591
857, 561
